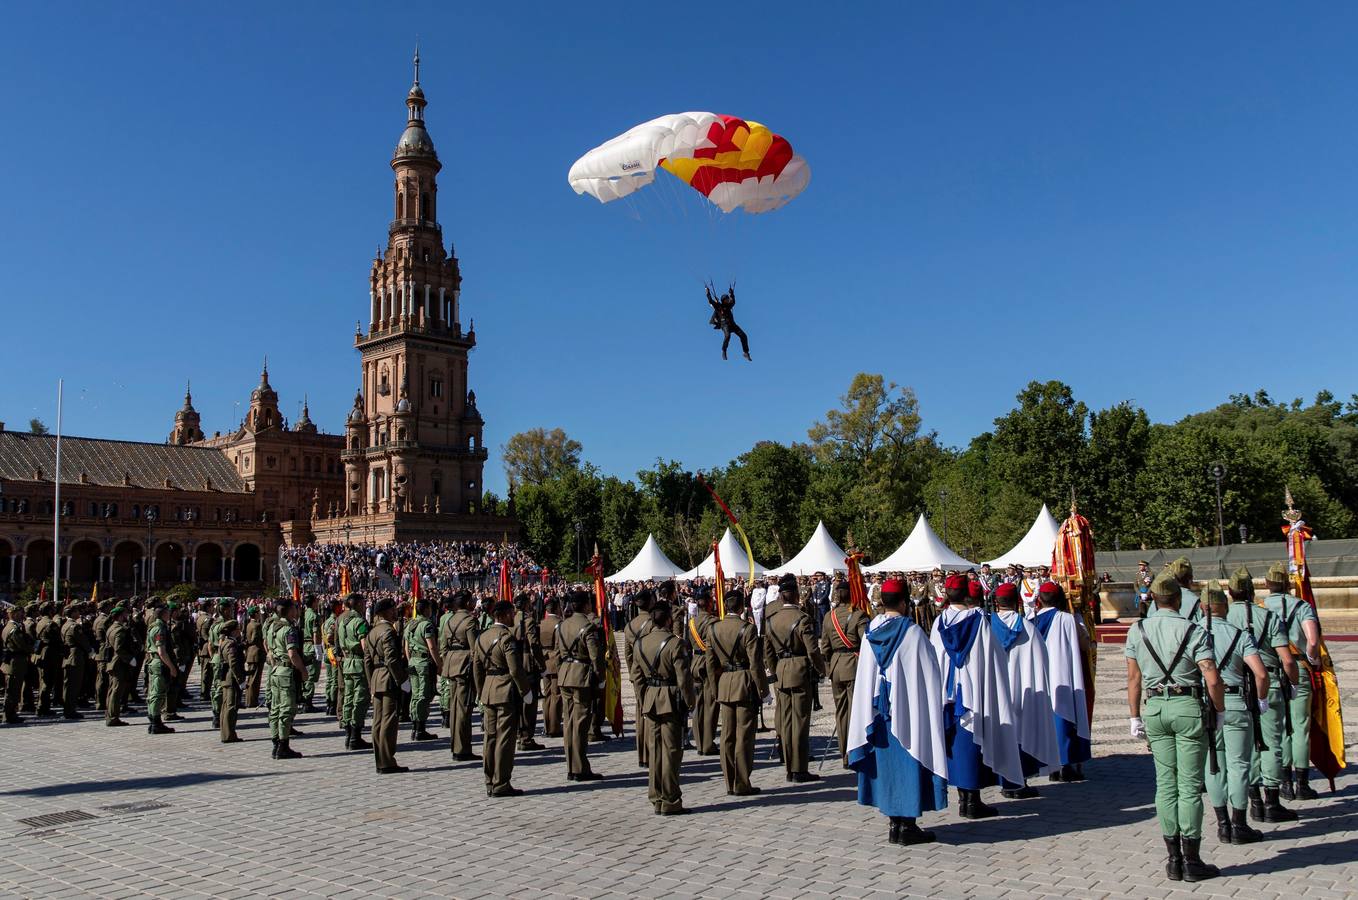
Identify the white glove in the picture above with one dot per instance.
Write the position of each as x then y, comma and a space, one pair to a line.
1263, 705
320, 655
1314, 661
1138, 727
529, 697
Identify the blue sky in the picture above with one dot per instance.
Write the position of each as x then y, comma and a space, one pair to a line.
1150, 203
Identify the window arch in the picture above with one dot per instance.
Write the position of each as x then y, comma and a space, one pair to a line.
400, 204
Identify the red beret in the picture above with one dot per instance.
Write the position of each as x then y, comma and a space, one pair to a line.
955, 582
1049, 587
1006, 591
893, 586
975, 590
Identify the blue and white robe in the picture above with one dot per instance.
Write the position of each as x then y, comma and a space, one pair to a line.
1030, 690
1061, 633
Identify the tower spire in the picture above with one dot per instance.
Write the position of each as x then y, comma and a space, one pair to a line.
417, 62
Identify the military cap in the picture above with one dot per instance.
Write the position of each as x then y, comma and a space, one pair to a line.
383, 605
251, 609
1212, 592
1166, 586
1277, 573
229, 625
955, 582
1006, 591
893, 586
226, 601
1181, 568
1242, 582
975, 591
118, 609
171, 605
788, 583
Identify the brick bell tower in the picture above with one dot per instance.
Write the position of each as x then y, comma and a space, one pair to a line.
414, 437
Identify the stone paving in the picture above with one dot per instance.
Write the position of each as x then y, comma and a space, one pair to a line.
184, 816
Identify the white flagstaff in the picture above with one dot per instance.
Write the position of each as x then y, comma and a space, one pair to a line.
56, 510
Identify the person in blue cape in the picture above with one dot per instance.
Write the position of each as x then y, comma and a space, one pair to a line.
1066, 642
978, 712
896, 741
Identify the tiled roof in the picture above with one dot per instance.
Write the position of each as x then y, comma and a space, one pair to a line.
107, 462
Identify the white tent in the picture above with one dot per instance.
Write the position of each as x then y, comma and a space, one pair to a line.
734, 562
921, 552
821, 554
650, 563
1036, 547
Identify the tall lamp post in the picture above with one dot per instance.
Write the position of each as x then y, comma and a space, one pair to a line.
578, 528
1218, 471
150, 538
1244, 533
943, 505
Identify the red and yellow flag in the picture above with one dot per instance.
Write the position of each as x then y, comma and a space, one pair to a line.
346, 582
612, 665
506, 591
719, 585
858, 590
416, 591
296, 590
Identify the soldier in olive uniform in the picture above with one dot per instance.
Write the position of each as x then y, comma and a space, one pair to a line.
736, 664
697, 632
227, 612
17, 645
309, 624
203, 625
551, 687
389, 672
1170, 665
1302, 630
48, 656
840, 637
423, 663
581, 670
667, 693
456, 635
447, 607
353, 638
1237, 658
634, 631
1182, 570
100, 630
1266, 766
497, 659
528, 636
119, 667
790, 646
230, 678
286, 670
75, 644
255, 656
183, 641
160, 668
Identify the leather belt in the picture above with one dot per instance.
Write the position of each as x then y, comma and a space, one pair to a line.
1174, 690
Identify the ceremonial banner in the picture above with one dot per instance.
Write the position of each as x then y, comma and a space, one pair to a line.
1073, 569
346, 582
296, 590
858, 590
416, 592
612, 665
506, 590
735, 523
719, 588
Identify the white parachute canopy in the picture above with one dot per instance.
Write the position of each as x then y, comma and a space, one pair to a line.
821, 554
734, 563
650, 564
922, 551
1035, 549
629, 162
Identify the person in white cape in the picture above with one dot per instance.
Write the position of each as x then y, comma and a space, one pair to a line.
978, 710
896, 739
1065, 639
1030, 689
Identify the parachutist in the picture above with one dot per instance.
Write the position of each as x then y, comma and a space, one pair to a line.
724, 320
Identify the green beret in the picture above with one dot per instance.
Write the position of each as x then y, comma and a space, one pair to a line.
1242, 582
251, 610
1165, 586
118, 609
1181, 568
1212, 592
1277, 573
171, 605
226, 601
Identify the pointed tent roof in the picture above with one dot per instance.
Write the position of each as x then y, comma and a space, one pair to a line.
1035, 549
649, 563
821, 554
923, 550
734, 562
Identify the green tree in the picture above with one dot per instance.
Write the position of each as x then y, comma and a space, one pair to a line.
1039, 445
538, 455
36, 426
765, 487
1115, 457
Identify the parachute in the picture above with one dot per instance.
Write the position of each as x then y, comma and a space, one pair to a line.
733, 162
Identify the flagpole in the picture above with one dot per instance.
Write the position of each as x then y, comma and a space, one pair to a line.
56, 512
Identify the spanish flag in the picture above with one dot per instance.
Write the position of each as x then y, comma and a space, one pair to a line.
346, 582
719, 587
858, 591
612, 665
416, 592
506, 589
296, 589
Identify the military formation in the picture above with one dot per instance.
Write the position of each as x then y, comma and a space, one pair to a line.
1219, 685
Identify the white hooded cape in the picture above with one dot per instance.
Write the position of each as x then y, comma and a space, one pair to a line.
1067, 671
916, 699
1030, 688
984, 682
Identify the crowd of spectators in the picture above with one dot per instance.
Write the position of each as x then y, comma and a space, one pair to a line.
443, 565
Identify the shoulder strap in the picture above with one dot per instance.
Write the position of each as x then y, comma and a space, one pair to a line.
1231, 649
654, 665
730, 655
842, 636
1178, 654
693, 630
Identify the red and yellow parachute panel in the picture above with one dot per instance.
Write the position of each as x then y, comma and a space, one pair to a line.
733, 162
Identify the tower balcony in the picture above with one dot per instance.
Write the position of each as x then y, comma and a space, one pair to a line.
398, 224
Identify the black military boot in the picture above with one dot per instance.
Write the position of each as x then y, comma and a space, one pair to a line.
159, 727
964, 803
216, 720
1285, 787
1304, 790
285, 751
1223, 824
329, 707
348, 737
420, 734
1275, 811
1241, 832
1256, 804
275, 748
1174, 868
977, 808
447, 719
1194, 868
359, 743
908, 833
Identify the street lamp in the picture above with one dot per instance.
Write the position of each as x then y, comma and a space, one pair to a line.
347, 528
578, 527
146, 563
1218, 471
943, 504
1244, 532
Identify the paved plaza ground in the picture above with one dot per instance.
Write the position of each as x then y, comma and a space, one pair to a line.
184, 816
